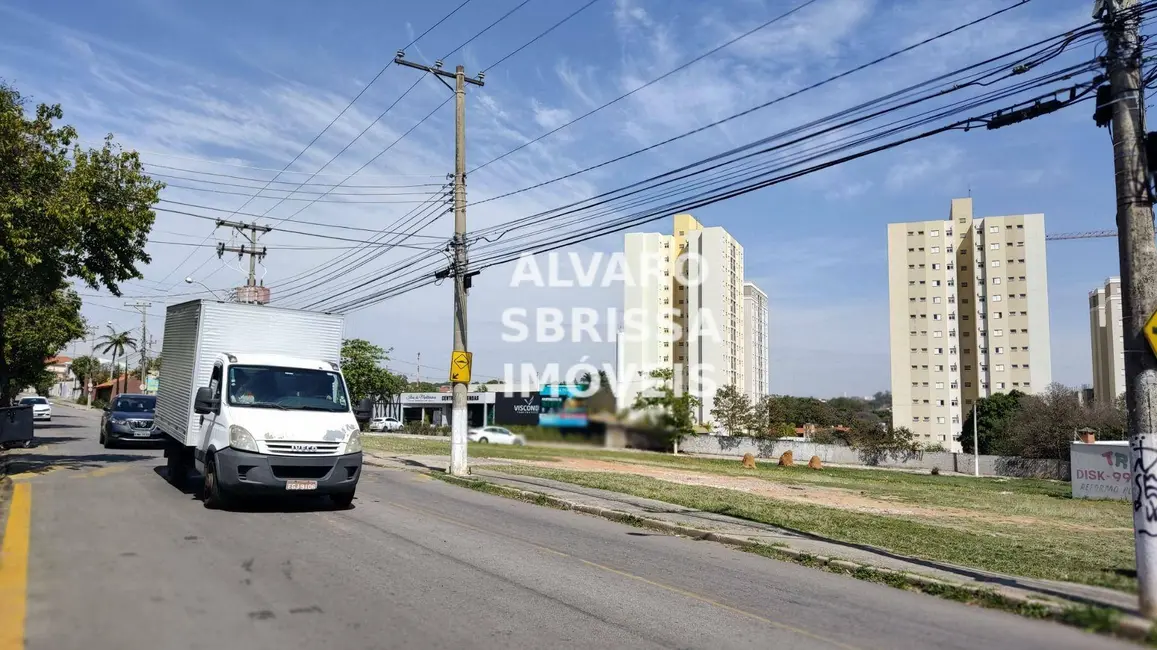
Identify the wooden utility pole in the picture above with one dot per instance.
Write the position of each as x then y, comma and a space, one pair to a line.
1138, 254
460, 363
250, 231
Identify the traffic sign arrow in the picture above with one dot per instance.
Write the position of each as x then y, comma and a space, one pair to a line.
1151, 332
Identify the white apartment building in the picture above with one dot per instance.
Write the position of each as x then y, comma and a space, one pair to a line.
756, 375
703, 289
1107, 336
968, 316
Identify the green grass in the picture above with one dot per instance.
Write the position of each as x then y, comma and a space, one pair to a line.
1016, 526
1094, 557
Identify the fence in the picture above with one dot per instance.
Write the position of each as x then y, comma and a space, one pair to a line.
803, 450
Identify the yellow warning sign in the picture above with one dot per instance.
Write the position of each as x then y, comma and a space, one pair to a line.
1151, 332
460, 363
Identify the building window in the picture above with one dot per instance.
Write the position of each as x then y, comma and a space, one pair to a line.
998, 332
915, 419
997, 298
936, 283
968, 384
933, 233
995, 263
996, 280
949, 249
937, 334
963, 284
940, 384
1000, 350
911, 267
956, 402
939, 369
935, 249
952, 316
994, 229
938, 351
940, 420
935, 316
999, 385
936, 266
935, 299
994, 246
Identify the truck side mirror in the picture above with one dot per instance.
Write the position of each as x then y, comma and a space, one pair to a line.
364, 411
204, 402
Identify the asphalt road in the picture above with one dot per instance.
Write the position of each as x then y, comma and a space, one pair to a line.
120, 559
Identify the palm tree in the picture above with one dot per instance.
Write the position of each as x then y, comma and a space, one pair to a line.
117, 343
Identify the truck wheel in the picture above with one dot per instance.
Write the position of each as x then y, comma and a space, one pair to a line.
213, 496
342, 500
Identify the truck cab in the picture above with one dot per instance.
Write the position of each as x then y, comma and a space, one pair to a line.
271, 424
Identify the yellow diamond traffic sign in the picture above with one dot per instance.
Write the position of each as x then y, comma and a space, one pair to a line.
460, 362
1151, 332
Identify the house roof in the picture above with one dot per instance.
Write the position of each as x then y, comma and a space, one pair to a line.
57, 360
117, 381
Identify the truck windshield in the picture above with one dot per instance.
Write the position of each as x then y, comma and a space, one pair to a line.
299, 389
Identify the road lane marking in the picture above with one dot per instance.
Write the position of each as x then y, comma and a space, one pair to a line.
675, 590
102, 471
14, 568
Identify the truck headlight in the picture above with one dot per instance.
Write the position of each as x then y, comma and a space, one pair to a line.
354, 444
240, 438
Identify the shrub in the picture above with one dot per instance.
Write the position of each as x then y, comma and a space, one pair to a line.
99, 403
422, 429
934, 447
82, 400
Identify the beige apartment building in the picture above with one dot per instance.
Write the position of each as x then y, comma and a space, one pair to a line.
756, 373
968, 316
701, 297
1108, 341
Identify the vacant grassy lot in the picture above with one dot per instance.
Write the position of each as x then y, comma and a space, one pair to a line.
1022, 527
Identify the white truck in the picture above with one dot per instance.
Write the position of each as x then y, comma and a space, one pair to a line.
253, 397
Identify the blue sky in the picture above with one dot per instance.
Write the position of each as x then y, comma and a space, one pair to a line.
236, 88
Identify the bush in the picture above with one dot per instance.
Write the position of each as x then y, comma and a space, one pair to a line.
422, 429
934, 448
99, 403
82, 400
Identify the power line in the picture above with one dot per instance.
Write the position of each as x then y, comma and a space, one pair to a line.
277, 189
732, 117
516, 51
250, 214
263, 180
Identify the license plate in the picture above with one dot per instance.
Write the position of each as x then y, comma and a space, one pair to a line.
301, 485
142, 434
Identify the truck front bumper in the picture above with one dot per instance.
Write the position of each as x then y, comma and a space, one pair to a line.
249, 473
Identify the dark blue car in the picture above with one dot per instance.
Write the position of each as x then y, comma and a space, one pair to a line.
129, 419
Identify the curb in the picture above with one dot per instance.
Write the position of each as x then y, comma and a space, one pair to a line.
1127, 626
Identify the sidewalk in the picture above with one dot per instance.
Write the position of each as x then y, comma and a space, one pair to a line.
739, 532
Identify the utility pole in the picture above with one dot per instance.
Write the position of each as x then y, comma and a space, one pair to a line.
975, 444
461, 382
250, 231
142, 307
419, 368
1138, 254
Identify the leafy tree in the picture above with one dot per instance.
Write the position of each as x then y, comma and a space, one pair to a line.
64, 212
993, 414
421, 387
85, 368
36, 332
117, 343
673, 412
603, 399
875, 442
360, 361
1047, 422
732, 411
494, 381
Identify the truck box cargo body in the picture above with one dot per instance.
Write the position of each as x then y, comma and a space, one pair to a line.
253, 397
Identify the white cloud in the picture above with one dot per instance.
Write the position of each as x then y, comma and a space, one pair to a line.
922, 165
549, 118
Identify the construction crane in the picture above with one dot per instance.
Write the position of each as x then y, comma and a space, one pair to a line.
1090, 234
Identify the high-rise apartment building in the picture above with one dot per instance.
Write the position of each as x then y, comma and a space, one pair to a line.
1108, 341
701, 298
968, 316
756, 373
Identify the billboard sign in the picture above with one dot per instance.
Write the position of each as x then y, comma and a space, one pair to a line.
1100, 470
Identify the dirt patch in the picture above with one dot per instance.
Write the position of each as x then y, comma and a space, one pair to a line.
819, 496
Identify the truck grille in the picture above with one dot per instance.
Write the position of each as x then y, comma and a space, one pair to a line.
291, 448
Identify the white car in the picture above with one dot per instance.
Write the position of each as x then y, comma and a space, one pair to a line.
385, 424
495, 435
41, 408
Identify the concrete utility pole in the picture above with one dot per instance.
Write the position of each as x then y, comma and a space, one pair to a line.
1138, 278
142, 307
250, 231
975, 444
459, 416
